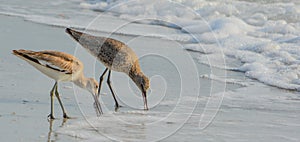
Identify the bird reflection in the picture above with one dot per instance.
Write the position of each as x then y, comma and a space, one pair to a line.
49, 138
50, 130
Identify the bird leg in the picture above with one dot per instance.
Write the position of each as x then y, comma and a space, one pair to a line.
96, 97
50, 116
111, 90
100, 81
60, 103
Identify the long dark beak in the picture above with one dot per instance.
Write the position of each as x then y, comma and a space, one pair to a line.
145, 100
97, 105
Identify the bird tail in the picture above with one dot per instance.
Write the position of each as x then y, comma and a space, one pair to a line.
74, 34
25, 54
21, 52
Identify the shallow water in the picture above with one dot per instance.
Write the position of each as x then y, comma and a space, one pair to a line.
25, 91
195, 92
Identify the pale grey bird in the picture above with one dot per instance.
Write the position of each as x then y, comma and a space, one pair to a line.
60, 67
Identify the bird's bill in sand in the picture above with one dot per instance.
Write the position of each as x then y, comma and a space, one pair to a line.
97, 105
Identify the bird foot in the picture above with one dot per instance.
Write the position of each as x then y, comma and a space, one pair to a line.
66, 116
50, 116
146, 107
117, 107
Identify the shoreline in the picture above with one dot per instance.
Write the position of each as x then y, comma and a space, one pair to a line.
80, 27
25, 101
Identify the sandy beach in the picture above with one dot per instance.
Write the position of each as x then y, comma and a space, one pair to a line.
25, 91
220, 110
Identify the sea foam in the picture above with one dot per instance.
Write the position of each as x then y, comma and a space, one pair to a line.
263, 37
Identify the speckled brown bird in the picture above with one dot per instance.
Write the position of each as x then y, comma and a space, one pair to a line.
116, 56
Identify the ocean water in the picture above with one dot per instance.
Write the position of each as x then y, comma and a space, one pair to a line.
260, 39
262, 35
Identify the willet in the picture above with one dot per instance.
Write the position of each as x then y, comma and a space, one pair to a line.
116, 56
60, 67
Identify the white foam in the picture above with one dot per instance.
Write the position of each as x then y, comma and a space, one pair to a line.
225, 80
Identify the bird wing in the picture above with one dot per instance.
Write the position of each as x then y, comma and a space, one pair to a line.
55, 60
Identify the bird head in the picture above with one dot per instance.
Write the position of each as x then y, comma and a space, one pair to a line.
142, 82
92, 86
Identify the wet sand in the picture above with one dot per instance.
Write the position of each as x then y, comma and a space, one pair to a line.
25, 100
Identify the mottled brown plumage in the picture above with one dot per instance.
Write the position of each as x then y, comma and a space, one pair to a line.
115, 55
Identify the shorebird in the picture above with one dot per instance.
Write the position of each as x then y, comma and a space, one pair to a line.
114, 55
60, 67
